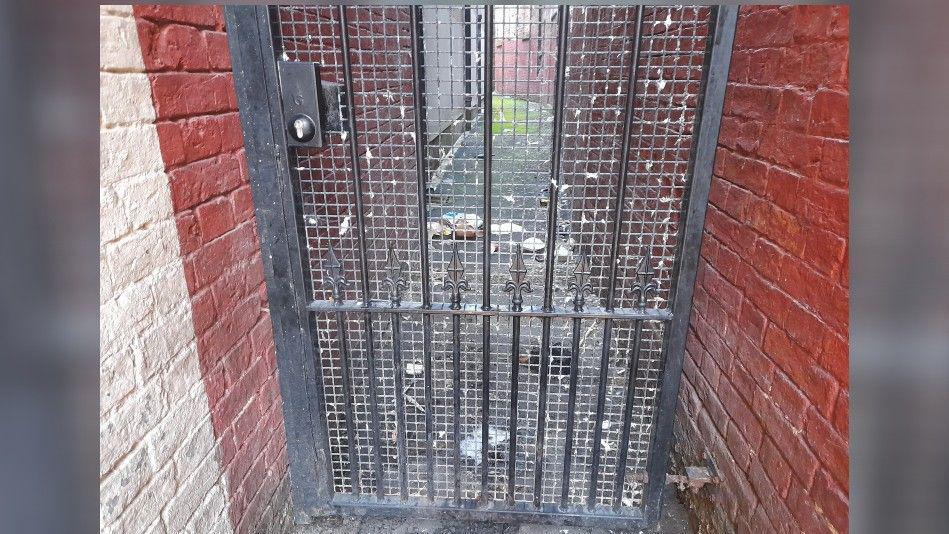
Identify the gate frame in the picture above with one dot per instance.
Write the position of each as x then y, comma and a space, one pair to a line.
266, 150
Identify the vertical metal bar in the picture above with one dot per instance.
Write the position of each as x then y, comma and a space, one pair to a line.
715, 78
571, 412
396, 319
631, 372
555, 167
429, 395
363, 262
418, 90
456, 399
486, 257
418, 83
614, 255
512, 422
467, 79
624, 159
600, 404
353, 449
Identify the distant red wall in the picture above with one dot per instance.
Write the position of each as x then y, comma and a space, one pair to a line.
188, 63
766, 389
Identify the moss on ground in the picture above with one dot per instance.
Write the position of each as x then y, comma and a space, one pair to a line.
513, 115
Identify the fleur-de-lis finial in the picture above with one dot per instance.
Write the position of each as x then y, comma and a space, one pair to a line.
395, 279
518, 282
580, 285
333, 275
455, 279
645, 283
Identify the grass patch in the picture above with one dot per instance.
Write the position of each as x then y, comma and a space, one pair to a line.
510, 115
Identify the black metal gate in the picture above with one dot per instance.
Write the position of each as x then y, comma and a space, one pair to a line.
480, 230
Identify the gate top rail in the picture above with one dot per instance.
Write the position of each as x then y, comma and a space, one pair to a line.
383, 306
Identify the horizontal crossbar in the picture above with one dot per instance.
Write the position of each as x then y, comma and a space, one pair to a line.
379, 306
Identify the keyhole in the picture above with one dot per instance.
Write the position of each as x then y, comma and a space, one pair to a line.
300, 126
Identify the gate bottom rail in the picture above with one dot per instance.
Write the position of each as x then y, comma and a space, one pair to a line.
472, 509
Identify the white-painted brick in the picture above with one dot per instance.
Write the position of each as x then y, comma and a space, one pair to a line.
170, 288
122, 9
210, 513
151, 352
126, 151
133, 305
106, 281
168, 435
123, 428
144, 199
124, 98
118, 44
191, 494
140, 253
113, 222
179, 328
183, 374
122, 485
116, 379
195, 449
145, 509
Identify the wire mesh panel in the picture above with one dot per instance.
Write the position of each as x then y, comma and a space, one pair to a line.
491, 236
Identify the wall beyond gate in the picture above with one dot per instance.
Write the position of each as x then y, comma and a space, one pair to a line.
765, 390
191, 430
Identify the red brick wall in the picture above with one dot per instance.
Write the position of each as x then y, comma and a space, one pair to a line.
188, 63
766, 391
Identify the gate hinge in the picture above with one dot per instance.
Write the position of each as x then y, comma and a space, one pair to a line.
695, 477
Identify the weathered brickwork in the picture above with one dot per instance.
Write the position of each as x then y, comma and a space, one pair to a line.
766, 392
187, 61
159, 465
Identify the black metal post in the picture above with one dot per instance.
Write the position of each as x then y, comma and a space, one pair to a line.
486, 257
715, 79
418, 91
363, 261
555, 167
614, 255
253, 53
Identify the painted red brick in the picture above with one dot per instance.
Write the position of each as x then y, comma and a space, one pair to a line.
831, 501
184, 94
188, 64
776, 244
218, 56
199, 16
775, 467
202, 180
180, 48
830, 114
830, 448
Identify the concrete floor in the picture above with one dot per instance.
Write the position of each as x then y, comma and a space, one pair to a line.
674, 521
